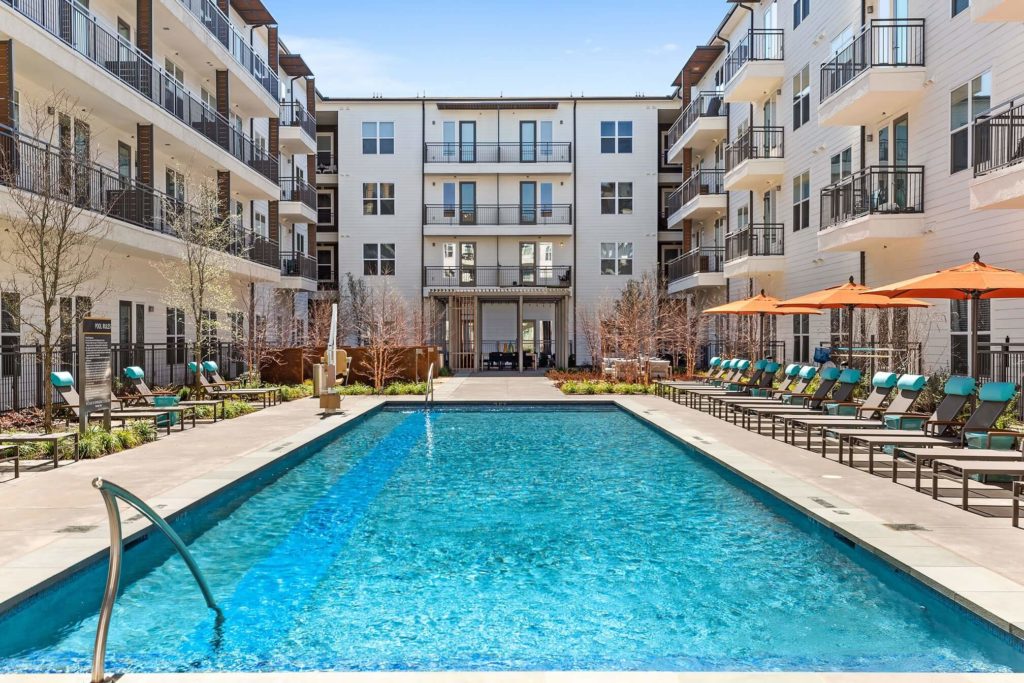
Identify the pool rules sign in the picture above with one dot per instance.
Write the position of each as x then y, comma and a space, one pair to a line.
94, 370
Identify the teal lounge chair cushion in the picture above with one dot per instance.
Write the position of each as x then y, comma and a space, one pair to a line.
794, 400
898, 422
715, 362
771, 367
911, 382
192, 367
849, 376
830, 373
743, 365
836, 409
759, 392
999, 392
809, 371
959, 386
792, 370
134, 372
62, 379
759, 365
999, 442
209, 366
884, 380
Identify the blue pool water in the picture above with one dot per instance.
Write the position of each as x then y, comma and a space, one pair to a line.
497, 539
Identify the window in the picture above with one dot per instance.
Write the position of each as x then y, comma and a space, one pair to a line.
965, 103
124, 161
300, 242
208, 98
616, 258
259, 141
174, 71
616, 137
175, 336
325, 153
325, 265
378, 199
802, 338
802, 97
236, 322
802, 201
959, 327
325, 207
378, 137
378, 259
259, 223
742, 217
175, 184
801, 8
841, 165
960, 5
616, 198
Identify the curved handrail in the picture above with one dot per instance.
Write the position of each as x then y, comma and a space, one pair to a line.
428, 397
111, 492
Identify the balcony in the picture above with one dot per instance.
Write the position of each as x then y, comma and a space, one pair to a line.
73, 26
754, 68
703, 123
505, 219
34, 166
298, 201
701, 197
756, 161
301, 267
757, 249
497, 157
880, 72
326, 164
298, 130
497, 277
699, 268
875, 207
997, 10
999, 157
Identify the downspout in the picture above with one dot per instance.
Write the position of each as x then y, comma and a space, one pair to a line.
575, 242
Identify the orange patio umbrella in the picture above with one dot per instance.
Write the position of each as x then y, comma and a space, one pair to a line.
761, 305
850, 296
972, 282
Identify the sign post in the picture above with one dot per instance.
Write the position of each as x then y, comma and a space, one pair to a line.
94, 370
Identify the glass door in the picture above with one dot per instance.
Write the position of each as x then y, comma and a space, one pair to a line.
527, 263
546, 262
528, 141
901, 158
545, 151
467, 141
527, 202
449, 145
467, 203
467, 264
892, 37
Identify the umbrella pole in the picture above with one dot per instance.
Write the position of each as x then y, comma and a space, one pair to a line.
975, 312
849, 338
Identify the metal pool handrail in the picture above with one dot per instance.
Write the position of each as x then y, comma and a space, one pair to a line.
428, 397
111, 492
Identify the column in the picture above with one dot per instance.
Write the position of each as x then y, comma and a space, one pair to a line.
272, 48
224, 109
144, 26
7, 83
274, 220
145, 172
519, 330
224, 193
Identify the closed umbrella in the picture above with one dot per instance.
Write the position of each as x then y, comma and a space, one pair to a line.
849, 296
971, 281
760, 305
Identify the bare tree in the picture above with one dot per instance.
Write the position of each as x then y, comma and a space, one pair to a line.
634, 322
199, 282
384, 329
61, 204
685, 328
262, 344
352, 308
591, 321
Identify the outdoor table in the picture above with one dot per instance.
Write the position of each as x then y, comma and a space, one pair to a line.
54, 439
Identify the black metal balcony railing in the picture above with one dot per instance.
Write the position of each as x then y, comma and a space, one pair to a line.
704, 181
298, 190
759, 142
886, 42
35, 166
497, 152
218, 24
297, 264
707, 103
999, 137
873, 190
325, 162
294, 114
699, 260
498, 276
73, 25
759, 45
757, 239
494, 214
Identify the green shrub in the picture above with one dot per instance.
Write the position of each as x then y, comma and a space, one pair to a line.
144, 430
356, 389
445, 371
97, 442
405, 388
126, 438
233, 409
295, 392
592, 387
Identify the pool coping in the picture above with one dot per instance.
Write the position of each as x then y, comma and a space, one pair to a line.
63, 558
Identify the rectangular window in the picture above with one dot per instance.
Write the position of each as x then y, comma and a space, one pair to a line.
616, 258
742, 217
841, 165
802, 201
616, 137
175, 336
259, 223
124, 161
959, 6
378, 137
801, 8
325, 153
325, 265
174, 184
378, 199
801, 338
959, 327
325, 207
616, 198
378, 259
802, 97
965, 103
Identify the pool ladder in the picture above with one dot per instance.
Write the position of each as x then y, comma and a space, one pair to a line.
111, 493
428, 396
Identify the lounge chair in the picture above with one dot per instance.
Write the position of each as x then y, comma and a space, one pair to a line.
961, 468
137, 377
797, 379
842, 392
799, 403
13, 442
922, 457
64, 383
735, 378
978, 429
763, 379
671, 390
268, 396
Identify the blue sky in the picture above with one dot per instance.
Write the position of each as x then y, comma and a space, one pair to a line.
492, 47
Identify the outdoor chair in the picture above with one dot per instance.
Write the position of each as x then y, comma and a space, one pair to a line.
267, 396
64, 383
137, 377
796, 379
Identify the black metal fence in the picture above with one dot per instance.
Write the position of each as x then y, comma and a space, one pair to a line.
294, 189
294, 114
495, 214
999, 137
498, 276
760, 44
872, 356
497, 152
700, 260
297, 264
21, 368
705, 103
757, 239
886, 42
873, 190
757, 142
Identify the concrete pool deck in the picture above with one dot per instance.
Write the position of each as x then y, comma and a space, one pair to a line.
53, 522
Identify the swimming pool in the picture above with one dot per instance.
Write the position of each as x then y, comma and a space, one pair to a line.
498, 538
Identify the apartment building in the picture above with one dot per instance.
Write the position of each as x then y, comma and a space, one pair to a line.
500, 217
163, 96
824, 140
